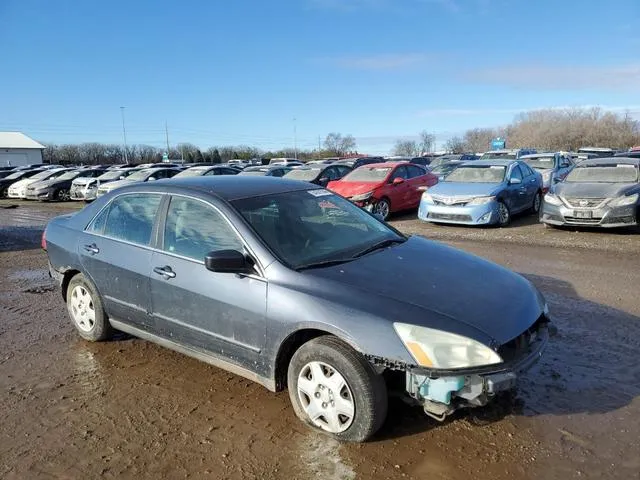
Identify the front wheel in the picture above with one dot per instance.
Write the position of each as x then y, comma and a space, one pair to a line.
63, 195
86, 311
382, 208
335, 390
504, 215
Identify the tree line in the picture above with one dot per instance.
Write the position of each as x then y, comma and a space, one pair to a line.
92, 153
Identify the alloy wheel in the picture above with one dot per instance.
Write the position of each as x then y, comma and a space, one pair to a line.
82, 309
503, 214
325, 397
382, 208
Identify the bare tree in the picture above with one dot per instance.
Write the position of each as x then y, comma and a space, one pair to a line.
405, 148
455, 145
337, 144
427, 142
478, 139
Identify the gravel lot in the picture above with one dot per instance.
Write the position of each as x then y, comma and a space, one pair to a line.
127, 408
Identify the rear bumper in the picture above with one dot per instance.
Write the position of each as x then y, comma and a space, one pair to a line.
605, 217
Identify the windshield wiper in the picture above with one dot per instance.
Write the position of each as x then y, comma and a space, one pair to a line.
379, 245
323, 263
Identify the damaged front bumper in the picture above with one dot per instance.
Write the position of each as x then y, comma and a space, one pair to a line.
442, 392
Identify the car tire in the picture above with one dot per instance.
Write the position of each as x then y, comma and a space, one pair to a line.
537, 203
383, 208
62, 195
86, 311
330, 370
504, 214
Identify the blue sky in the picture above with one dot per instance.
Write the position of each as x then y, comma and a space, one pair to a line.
239, 72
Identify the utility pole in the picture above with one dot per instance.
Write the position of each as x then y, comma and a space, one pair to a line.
295, 140
319, 145
166, 132
124, 134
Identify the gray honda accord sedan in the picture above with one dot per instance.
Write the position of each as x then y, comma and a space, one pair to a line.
290, 285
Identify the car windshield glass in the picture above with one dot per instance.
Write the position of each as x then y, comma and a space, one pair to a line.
68, 176
498, 155
112, 175
303, 174
191, 172
367, 174
443, 169
139, 175
42, 175
604, 174
313, 226
477, 174
15, 175
540, 162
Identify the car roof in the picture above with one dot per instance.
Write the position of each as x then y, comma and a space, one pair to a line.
227, 187
610, 161
493, 162
505, 150
538, 155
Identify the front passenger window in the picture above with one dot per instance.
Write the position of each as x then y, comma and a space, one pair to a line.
193, 229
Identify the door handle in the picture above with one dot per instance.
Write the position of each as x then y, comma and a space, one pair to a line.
92, 249
165, 271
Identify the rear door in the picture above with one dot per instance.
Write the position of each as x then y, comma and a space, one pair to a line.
417, 178
531, 182
115, 251
221, 313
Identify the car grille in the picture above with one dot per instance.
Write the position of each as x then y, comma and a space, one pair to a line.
450, 216
450, 201
30, 190
583, 221
519, 346
584, 202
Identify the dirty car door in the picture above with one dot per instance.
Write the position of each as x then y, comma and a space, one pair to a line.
221, 313
115, 252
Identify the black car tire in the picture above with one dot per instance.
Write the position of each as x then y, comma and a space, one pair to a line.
386, 203
62, 195
533, 209
503, 222
101, 329
4, 192
368, 389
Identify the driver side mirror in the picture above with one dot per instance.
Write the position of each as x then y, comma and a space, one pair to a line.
227, 261
397, 181
515, 181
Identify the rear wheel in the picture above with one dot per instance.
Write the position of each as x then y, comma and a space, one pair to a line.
86, 311
383, 208
335, 390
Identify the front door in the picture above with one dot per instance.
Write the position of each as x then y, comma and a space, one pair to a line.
114, 251
221, 313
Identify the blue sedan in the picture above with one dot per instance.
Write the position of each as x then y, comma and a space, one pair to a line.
485, 192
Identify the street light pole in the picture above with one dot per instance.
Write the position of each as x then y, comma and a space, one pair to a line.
124, 134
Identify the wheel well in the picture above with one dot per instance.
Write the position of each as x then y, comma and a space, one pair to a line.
292, 343
68, 275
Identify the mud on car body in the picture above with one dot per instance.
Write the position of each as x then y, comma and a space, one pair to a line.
272, 279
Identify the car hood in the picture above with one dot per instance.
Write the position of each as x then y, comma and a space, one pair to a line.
464, 189
119, 183
593, 190
349, 189
458, 292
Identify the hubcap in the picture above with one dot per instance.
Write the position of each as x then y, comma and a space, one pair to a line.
503, 213
382, 207
81, 308
326, 397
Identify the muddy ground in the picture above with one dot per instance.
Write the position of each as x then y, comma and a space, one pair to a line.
127, 408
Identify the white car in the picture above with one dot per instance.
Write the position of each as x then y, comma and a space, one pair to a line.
19, 189
144, 175
87, 188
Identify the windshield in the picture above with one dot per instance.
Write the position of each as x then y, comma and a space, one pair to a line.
68, 176
15, 175
44, 175
140, 175
444, 169
620, 173
113, 174
477, 174
191, 172
306, 174
312, 226
498, 155
367, 174
540, 162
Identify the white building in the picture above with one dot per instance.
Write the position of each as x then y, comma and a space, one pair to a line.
17, 149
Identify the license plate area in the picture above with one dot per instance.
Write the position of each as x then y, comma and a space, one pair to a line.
582, 214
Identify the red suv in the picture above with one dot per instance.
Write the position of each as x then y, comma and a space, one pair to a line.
384, 188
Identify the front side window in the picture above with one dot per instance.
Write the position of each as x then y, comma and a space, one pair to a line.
415, 171
131, 218
516, 174
193, 229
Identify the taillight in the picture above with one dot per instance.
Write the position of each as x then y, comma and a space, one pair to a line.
43, 241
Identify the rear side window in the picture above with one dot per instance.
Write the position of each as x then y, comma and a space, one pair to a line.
131, 218
400, 172
415, 171
193, 229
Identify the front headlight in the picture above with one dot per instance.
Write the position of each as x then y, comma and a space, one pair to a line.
481, 200
436, 349
552, 199
623, 201
362, 197
427, 197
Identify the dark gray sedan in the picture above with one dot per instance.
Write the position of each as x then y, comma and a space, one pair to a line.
601, 192
292, 286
